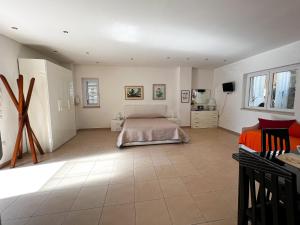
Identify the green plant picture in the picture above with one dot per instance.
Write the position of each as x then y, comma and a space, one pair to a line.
159, 92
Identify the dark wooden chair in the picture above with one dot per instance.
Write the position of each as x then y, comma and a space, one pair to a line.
275, 141
255, 204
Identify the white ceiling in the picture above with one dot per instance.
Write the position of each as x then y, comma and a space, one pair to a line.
199, 33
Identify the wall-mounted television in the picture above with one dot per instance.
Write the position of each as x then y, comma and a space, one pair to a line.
228, 87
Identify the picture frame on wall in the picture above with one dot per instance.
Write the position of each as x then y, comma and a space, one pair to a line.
134, 92
159, 92
185, 96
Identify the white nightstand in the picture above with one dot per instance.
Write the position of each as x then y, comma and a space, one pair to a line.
174, 119
116, 125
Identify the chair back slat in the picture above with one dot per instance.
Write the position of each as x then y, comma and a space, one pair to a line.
253, 194
262, 196
275, 200
274, 142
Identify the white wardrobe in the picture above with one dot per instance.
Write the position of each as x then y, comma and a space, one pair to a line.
51, 109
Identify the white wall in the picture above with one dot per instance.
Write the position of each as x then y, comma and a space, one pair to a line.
233, 117
184, 82
112, 96
10, 52
202, 79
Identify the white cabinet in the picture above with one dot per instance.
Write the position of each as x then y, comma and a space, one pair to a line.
116, 125
204, 119
51, 109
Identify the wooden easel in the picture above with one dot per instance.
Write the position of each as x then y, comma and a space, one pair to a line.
22, 107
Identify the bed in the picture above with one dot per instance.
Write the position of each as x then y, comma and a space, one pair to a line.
147, 124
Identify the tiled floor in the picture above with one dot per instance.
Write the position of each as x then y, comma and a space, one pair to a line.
96, 183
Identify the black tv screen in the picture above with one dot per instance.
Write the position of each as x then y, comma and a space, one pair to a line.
228, 87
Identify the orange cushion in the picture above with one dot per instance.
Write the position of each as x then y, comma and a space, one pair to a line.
252, 139
294, 130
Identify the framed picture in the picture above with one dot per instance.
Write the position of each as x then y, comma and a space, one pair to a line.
185, 96
134, 92
159, 92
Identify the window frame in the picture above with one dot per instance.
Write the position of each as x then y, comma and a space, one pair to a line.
269, 86
84, 82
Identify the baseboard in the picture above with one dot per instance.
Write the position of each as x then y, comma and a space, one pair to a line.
230, 131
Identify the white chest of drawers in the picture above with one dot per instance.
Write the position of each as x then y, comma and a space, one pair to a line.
204, 119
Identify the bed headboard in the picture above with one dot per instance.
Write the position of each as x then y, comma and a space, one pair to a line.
145, 111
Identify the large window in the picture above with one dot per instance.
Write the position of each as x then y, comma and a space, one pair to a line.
272, 89
90, 92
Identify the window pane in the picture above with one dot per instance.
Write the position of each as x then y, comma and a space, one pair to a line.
257, 95
91, 92
283, 90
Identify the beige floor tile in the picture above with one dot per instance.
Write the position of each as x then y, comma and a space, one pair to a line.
24, 206
152, 213
51, 185
178, 159
184, 210
123, 165
197, 184
71, 182
83, 217
214, 206
161, 160
58, 202
119, 194
166, 171
98, 179
173, 187
143, 162
90, 197
122, 177
186, 170
229, 221
16, 222
118, 215
147, 190
81, 169
55, 219
105, 166
5, 202
144, 173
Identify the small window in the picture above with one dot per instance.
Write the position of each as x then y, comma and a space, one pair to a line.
272, 90
90, 92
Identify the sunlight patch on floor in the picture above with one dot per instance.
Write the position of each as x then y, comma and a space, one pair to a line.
25, 180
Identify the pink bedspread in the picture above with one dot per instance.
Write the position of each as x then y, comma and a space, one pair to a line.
150, 129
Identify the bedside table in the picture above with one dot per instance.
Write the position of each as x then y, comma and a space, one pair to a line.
116, 125
174, 119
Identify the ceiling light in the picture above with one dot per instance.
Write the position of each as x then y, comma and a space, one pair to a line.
65, 31
14, 28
